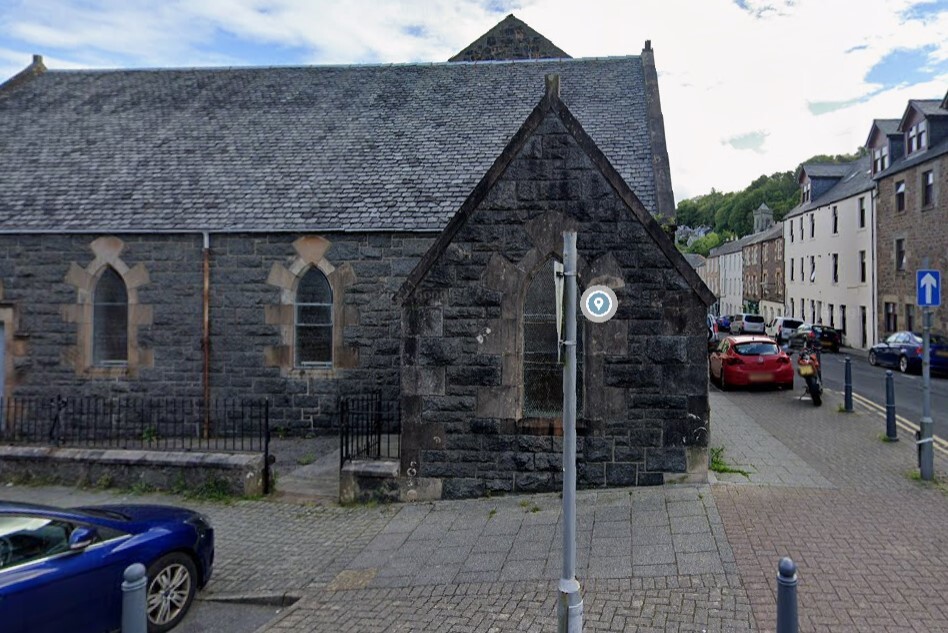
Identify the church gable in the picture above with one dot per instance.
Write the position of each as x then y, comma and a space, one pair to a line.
479, 364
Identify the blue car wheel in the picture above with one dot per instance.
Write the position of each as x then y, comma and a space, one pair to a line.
172, 581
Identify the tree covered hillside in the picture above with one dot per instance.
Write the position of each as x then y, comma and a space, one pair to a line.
731, 214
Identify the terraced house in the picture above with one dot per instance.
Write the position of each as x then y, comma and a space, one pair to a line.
301, 234
910, 171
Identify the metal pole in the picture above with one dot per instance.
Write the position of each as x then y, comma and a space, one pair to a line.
134, 616
787, 619
570, 606
891, 434
927, 452
848, 400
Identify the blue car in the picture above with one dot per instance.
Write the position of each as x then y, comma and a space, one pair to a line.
62, 569
904, 350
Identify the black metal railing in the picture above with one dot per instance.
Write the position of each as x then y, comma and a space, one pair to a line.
230, 425
369, 428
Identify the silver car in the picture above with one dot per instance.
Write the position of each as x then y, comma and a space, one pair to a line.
745, 323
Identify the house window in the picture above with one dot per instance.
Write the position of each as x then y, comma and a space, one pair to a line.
806, 191
542, 370
891, 318
791, 272
801, 270
900, 195
832, 315
835, 220
812, 268
909, 316
110, 320
862, 213
835, 268
313, 320
812, 224
842, 318
928, 188
900, 254
862, 266
791, 231
802, 308
880, 159
812, 311
801, 227
917, 137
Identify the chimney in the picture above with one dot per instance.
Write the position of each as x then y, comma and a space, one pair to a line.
36, 68
553, 86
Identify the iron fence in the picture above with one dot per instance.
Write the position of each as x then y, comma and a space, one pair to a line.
369, 428
229, 425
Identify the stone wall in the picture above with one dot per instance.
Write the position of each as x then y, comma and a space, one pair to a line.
44, 279
219, 473
645, 416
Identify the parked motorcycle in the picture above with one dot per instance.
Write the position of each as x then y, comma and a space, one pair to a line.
808, 366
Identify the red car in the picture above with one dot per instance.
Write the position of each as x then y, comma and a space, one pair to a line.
750, 360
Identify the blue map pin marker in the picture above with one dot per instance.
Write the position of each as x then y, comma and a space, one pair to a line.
599, 304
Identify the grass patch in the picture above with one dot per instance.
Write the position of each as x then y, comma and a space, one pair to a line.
719, 465
306, 459
936, 482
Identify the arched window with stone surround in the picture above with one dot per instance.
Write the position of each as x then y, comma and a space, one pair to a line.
542, 366
110, 319
313, 319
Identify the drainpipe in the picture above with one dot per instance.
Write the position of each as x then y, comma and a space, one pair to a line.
206, 334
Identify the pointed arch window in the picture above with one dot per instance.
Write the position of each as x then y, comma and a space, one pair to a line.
110, 320
313, 319
542, 366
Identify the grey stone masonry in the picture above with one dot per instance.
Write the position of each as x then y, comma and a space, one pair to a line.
45, 282
645, 405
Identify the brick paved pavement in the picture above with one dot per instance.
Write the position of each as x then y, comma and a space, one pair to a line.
870, 547
822, 488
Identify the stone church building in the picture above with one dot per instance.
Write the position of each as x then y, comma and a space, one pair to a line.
306, 233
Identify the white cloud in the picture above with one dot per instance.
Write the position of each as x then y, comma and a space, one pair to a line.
727, 70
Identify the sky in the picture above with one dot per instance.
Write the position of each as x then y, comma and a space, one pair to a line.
748, 87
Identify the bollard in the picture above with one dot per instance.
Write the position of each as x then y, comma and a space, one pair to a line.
134, 616
891, 434
787, 620
848, 401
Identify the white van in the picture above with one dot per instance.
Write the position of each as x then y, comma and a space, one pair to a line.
747, 324
782, 328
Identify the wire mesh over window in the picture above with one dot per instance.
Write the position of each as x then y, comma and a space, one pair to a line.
542, 371
314, 319
110, 320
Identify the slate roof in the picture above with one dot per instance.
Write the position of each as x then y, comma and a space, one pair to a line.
394, 147
766, 235
826, 170
856, 179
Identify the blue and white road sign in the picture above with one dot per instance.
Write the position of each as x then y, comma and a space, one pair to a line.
928, 288
599, 303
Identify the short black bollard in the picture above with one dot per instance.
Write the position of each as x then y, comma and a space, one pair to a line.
134, 616
891, 434
787, 619
848, 401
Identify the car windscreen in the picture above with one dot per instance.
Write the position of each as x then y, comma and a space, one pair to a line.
753, 318
792, 323
761, 348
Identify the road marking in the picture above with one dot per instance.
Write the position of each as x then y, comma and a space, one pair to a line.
905, 423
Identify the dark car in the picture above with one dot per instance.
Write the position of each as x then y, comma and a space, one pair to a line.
817, 336
62, 569
750, 360
904, 350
